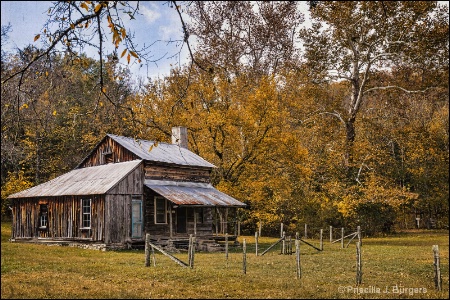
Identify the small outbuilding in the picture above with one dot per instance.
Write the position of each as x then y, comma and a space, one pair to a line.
124, 189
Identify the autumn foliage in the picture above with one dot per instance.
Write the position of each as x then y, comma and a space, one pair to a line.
352, 130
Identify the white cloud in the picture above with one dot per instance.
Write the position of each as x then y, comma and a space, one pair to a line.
150, 14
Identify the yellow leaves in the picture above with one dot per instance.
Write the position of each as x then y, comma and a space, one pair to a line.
15, 182
155, 144
84, 5
97, 8
54, 113
104, 90
23, 106
37, 37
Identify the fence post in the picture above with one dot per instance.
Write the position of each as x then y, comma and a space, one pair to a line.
281, 230
193, 252
244, 257
359, 235
226, 247
358, 264
306, 231
260, 227
283, 247
256, 243
437, 268
331, 234
147, 250
154, 257
190, 250
342, 237
297, 258
321, 239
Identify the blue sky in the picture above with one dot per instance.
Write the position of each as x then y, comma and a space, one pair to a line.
157, 22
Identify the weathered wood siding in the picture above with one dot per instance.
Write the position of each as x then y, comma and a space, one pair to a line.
118, 207
176, 173
64, 218
109, 151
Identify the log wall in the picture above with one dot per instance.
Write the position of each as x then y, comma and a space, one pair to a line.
177, 173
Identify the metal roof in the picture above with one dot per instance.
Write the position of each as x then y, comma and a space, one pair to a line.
161, 152
192, 193
86, 181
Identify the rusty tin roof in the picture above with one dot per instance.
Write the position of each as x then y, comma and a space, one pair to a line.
86, 181
192, 193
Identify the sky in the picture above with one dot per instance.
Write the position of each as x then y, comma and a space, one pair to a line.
156, 22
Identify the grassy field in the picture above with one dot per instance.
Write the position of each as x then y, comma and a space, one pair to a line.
398, 266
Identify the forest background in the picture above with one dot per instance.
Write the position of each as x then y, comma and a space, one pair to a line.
342, 123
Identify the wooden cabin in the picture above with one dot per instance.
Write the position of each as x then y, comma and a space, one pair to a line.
123, 189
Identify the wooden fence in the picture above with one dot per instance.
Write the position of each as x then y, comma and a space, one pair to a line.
287, 249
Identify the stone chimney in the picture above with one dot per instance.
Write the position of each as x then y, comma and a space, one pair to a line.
179, 136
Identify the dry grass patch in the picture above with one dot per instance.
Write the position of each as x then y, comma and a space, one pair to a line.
403, 260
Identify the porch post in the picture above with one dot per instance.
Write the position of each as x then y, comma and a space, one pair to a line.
215, 220
195, 221
170, 221
225, 221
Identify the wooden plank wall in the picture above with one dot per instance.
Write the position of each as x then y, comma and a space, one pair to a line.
118, 216
119, 154
64, 218
118, 207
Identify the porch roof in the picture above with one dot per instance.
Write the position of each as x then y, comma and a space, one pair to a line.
192, 193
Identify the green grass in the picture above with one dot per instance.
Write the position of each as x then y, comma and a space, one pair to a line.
404, 260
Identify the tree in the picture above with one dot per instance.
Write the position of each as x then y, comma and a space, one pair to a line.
242, 36
350, 41
74, 26
56, 116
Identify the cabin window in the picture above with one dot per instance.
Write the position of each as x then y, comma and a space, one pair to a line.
86, 213
160, 210
200, 211
108, 158
43, 216
136, 216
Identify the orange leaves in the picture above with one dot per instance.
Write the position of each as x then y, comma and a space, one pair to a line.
84, 5
97, 8
124, 32
134, 54
130, 53
37, 37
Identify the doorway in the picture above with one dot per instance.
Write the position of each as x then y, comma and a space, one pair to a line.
181, 220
